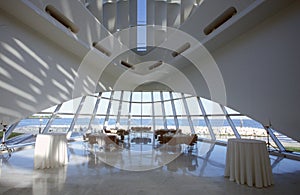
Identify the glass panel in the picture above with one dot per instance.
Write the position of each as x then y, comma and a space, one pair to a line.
288, 143
147, 122
61, 123
136, 109
156, 96
159, 123
142, 12
112, 122
89, 105
97, 124
200, 127
179, 107
157, 109
170, 123
32, 125
102, 107
123, 123
82, 123
168, 108
211, 107
166, 95
106, 94
193, 106
126, 96
147, 109
141, 38
249, 128
125, 108
221, 128
176, 95
136, 96
147, 97
70, 106
136, 122
184, 125
231, 111
117, 95
114, 107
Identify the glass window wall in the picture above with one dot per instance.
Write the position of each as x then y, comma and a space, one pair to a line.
142, 115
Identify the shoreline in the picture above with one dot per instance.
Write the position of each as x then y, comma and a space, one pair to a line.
221, 133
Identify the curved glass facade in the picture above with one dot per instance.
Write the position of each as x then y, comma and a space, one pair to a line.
155, 110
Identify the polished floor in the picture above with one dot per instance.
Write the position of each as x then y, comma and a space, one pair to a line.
138, 169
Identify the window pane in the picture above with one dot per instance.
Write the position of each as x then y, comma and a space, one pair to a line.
117, 95
112, 122
136, 96
157, 109
135, 121
156, 96
147, 97
179, 107
249, 128
125, 108
168, 108
211, 107
200, 127
82, 123
147, 122
123, 123
126, 96
69, 106
102, 107
159, 123
288, 143
61, 123
114, 107
170, 123
231, 111
184, 125
193, 106
89, 105
147, 109
106, 94
136, 109
166, 95
176, 95
97, 124
32, 125
221, 128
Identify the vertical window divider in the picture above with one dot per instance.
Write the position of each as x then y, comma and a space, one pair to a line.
206, 119
95, 110
46, 129
236, 133
188, 113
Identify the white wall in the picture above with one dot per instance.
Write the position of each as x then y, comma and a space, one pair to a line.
261, 71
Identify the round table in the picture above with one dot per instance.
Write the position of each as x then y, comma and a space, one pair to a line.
247, 162
50, 151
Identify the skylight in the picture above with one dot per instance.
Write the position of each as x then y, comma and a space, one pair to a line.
141, 25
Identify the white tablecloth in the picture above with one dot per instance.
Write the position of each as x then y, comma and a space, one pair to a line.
247, 162
50, 151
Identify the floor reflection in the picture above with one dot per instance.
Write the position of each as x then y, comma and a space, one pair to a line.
175, 169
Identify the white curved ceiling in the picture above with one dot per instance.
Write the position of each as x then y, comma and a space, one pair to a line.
255, 54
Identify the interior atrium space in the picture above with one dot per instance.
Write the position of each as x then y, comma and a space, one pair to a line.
149, 97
